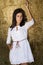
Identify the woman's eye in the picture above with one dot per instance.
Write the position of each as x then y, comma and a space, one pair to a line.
17, 16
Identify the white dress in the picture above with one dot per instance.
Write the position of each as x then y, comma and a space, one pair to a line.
22, 53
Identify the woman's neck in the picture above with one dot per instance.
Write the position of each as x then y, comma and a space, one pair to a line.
17, 24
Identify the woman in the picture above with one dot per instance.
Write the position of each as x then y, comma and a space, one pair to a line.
20, 50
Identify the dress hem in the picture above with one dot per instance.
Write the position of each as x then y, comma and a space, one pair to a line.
24, 62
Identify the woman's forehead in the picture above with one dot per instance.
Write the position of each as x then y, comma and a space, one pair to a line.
19, 13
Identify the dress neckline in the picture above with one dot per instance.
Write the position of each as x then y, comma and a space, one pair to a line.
17, 26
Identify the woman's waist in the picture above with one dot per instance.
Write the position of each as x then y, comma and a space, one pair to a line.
19, 40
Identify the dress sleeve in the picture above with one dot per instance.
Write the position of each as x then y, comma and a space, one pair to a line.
29, 24
8, 40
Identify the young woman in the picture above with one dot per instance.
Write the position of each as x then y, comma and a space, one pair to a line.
20, 50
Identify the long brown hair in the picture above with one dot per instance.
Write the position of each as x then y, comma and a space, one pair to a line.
18, 10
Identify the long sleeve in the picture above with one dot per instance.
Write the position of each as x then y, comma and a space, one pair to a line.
29, 24
8, 40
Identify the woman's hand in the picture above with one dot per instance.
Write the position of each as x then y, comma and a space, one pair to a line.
10, 46
27, 4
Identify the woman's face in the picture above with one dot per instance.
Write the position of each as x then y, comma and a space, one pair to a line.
19, 18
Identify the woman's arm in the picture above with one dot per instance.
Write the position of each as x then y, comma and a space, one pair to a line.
8, 40
31, 21
29, 24
27, 7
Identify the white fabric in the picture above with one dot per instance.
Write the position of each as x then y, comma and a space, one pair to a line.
23, 53
29, 24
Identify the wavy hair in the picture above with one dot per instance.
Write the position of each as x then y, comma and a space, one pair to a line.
16, 11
